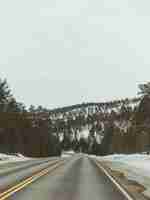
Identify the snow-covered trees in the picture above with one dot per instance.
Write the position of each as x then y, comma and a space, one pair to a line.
115, 126
144, 89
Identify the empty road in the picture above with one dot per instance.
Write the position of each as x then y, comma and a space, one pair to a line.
77, 179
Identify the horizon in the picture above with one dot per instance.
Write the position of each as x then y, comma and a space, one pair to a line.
57, 54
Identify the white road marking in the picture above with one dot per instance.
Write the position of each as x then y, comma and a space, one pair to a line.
121, 189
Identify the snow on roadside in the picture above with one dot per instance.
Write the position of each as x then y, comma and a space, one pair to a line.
6, 158
134, 166
66, 154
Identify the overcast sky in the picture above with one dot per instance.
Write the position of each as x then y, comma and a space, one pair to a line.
63, 52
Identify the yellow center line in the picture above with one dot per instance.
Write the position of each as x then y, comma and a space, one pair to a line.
28, 181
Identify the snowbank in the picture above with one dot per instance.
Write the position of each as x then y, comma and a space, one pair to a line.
67, 154
135, 167
6, 158
126, 158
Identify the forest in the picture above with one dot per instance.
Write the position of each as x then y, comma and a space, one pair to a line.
119, 126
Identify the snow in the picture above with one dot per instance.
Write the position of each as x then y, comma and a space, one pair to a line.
6, 158
66, 154
123, 125
85, 132
134, 166
126, 158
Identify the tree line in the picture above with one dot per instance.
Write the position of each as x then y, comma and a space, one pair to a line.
21, 130
120, 126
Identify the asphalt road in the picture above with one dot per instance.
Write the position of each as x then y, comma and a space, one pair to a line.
11, 175
79, 179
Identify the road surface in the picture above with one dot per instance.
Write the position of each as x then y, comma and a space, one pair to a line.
77, 179
12, 175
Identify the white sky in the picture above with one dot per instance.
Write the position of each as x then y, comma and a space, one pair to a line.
63, 52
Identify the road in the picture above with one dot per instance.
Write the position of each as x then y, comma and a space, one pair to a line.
77, 179
11, 175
